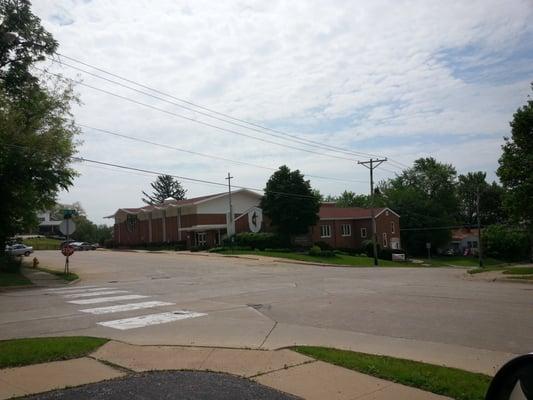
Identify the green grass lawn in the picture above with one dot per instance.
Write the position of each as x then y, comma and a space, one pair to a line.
462, 261
43, 243
71, 276
452, 382
18, 352
13, 279
338, 259
519, 271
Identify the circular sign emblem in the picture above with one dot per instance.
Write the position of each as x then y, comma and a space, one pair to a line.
67, 250
255, 219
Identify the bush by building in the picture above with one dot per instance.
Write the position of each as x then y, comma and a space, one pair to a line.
505, 243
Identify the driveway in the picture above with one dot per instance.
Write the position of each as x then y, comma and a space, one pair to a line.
434, 315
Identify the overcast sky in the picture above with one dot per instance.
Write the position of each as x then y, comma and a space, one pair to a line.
403, 79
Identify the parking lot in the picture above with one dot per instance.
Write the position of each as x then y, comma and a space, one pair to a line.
436, 315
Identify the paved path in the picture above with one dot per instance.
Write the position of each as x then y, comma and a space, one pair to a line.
281, 370
432, 315
170, 385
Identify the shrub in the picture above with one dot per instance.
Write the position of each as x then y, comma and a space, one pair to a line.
280, 250
258, 240
10, 263
505, 243
180, 245
315, 251
327, 253
323, 245
368, 248
217, 249
198, 248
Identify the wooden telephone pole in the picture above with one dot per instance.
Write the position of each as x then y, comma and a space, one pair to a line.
371, 165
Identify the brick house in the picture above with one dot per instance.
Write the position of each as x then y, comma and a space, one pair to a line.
199, 221
204, 221
349, 227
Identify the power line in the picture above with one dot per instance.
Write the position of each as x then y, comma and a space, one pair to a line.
211, 156
302, 141
192, 119
261, 129
151, 172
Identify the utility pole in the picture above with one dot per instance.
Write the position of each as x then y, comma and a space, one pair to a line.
230, 218
479, 249
371, 165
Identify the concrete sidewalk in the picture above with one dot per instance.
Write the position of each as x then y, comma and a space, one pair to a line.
284, 370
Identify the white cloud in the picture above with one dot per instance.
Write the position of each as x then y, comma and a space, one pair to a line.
346, 73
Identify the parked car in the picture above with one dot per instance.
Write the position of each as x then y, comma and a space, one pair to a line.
65, 242
19, 249
82, 246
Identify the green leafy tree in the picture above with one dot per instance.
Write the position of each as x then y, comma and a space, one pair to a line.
351, 199
490, 199
516, 169
425, 197
290, 202
36, 126
23, 41
164, 186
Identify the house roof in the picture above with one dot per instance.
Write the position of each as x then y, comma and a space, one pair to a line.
179, 203
329, 212
463, 233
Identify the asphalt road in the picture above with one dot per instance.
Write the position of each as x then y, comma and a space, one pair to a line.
168, 385
430, 314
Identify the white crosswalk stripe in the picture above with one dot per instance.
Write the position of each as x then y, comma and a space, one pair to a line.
126, 307
150, 319
91, 290
108, 299
92, 294
73, 288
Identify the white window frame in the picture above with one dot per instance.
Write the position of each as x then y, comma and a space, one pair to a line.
346, 230
325, 231
392, 227
364, 233
385, 242
202, 242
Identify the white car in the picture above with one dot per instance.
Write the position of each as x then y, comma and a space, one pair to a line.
19, 250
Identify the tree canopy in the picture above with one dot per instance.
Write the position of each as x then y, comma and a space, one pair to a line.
516, 166
164, 186
290, 202
425, 196
37, 130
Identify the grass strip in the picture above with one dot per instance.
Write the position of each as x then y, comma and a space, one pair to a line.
19, 352
43, 243
338, 259
452, 382
10, 279
519, 271
71, 276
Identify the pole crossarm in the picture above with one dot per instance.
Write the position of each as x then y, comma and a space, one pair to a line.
371, 165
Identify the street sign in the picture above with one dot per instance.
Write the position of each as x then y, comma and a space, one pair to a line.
67, 250
67, 214
67, 227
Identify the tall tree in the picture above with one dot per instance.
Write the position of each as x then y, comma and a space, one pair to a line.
424, 196
36, 127
516, 166
290, 202
23, 41
351, 199
164, 186
490, 199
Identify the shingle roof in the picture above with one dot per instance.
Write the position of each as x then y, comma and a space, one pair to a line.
347, 212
